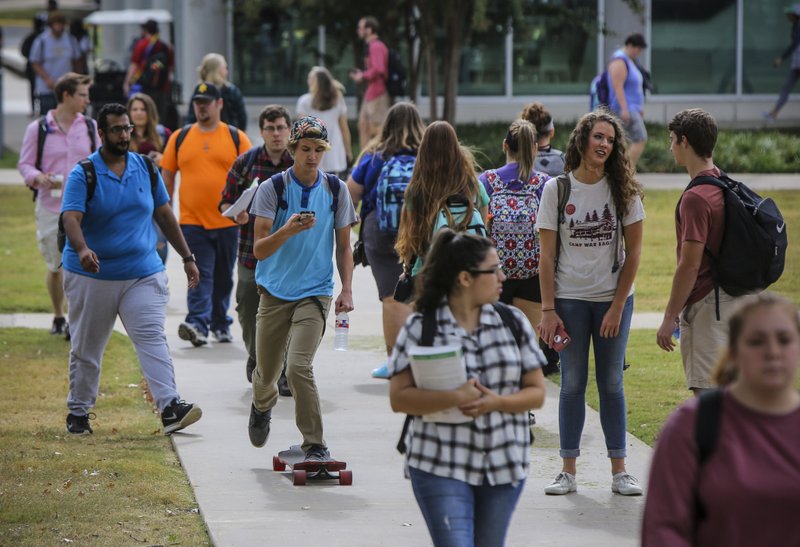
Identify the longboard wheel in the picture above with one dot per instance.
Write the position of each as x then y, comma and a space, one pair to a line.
277, 464
299, 477
345, 477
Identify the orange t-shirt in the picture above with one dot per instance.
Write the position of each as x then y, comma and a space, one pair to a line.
203, 160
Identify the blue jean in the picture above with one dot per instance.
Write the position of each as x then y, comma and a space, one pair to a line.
462, 515
215, 252
582, 320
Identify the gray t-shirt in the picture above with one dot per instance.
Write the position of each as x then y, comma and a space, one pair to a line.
55, 55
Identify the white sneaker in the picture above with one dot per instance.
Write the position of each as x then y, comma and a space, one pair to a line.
625, 485
564, 483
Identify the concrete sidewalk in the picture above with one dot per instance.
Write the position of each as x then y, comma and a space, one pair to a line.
245, 503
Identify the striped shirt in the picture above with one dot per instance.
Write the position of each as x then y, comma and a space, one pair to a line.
493, 448
263, 168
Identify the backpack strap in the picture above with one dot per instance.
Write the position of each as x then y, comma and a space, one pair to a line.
564, 191
509, 320
40, 138
249, 158
235, 137
280, 185
706, 436
425, 339
181, 137
333, 184
90, 128
91, 178
153, 171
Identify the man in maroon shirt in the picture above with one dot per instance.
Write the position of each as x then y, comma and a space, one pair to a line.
699, 224
376, 101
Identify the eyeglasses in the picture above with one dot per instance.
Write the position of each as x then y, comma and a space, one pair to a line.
496, 270
119, 129
274, 128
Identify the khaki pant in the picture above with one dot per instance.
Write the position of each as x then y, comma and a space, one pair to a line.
294, 329
703, 337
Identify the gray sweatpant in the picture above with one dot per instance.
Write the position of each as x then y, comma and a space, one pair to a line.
93, 308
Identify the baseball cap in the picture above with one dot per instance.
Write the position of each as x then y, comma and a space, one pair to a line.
794, 8
309, 127
206, 91
151, 26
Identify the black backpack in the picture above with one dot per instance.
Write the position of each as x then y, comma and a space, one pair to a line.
706, 435
753, 250
396, 77
280, 185
426, 340
185, 131
91, 183
42, 136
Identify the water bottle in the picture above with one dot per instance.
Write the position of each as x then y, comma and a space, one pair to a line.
677, 334
342, 330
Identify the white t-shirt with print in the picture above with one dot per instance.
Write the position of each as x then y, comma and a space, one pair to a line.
588, 238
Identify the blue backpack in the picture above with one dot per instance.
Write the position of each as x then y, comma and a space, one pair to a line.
599, 91
390, 190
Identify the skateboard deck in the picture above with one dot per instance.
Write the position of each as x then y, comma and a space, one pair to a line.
303, 471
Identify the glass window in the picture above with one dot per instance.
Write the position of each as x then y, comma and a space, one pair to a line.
272, 53
766, 36
693, 46
555, 47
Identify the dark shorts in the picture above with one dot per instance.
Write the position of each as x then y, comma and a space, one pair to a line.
383, 260
526, 289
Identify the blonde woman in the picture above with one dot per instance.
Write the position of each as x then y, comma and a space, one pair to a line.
214, 69
325, 100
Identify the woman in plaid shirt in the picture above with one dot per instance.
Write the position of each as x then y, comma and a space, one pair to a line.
467, 477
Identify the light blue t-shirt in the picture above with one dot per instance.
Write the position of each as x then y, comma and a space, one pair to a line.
632, 88
303, 265
55, 55
118, 221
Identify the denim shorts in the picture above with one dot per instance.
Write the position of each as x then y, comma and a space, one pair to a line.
635, 131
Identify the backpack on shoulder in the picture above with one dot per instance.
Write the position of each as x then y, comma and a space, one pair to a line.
513, 217
453, 216
391, 188
752, 255
426, 340
279, 181
41, 136
91, 184
396, 77
599, 91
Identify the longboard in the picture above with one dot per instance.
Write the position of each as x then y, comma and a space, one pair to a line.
303, 471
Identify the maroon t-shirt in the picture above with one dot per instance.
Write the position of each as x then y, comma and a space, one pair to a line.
749, 486
701, 217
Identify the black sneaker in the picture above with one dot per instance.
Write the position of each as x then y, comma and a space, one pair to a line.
258, 428
187, 331
79, 425
179, 414
317, 453
283, 387
250, 367
59, 324
67, 335
222, 336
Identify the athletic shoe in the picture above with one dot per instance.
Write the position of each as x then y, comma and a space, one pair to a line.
768, 117
179, 414
249, 368
382, 372
67, 335
58, 326
317, 453
79, 425
222, 336
564, 483
625, 485
187, 331
551, 369
258, 428
283, 387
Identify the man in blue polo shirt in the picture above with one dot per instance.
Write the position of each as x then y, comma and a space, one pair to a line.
299, 214
111, 268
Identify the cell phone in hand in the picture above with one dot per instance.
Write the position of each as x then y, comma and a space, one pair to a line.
303, 215
561, 339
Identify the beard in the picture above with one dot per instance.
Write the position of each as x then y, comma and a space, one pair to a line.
118, 149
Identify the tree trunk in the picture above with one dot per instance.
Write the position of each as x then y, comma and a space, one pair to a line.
458, 16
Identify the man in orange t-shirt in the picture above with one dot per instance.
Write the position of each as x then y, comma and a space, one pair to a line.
203, 152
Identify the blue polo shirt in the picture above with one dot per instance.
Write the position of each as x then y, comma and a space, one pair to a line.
118, 221
303, 265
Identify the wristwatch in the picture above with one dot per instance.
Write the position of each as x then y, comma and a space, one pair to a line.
189, 258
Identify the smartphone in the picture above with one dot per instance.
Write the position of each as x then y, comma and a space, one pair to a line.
561, 339
302, 215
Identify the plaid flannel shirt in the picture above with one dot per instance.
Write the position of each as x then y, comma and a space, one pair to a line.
494, 447
237, 182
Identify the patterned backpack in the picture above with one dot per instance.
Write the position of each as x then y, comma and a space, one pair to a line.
512, 209
390, 189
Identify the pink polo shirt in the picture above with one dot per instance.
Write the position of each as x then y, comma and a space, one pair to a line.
60, 154
377, 70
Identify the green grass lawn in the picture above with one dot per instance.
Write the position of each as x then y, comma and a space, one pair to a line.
123, 485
